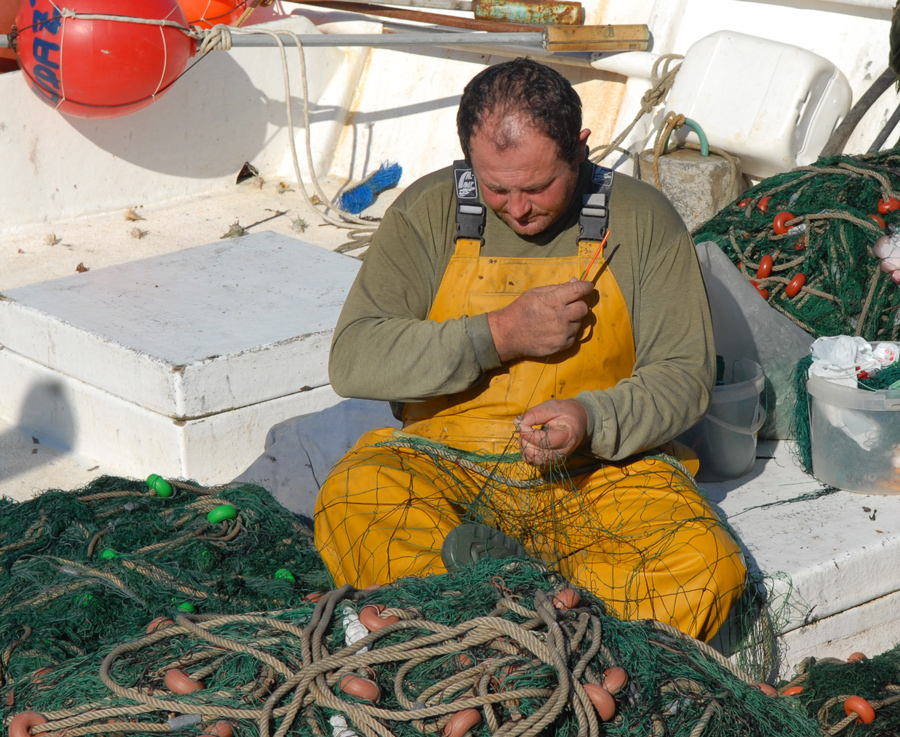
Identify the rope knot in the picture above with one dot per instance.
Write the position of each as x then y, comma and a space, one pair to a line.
217, 38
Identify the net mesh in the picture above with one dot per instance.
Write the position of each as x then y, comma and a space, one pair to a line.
821, 222
640, 535
487, 643
83, 568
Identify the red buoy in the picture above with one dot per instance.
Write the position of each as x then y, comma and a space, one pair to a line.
110, 67
209, 13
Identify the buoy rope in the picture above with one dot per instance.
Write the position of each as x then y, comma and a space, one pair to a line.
547, 637
661, 83
218, 38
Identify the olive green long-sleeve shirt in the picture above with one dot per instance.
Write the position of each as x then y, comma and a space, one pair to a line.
385, 348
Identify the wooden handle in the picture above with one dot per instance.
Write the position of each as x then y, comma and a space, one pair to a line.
635, 37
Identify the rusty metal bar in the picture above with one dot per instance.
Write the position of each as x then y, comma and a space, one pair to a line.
533, 12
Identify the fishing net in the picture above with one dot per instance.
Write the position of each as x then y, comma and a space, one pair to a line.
639, 535
503, 647
858, 696
81, 569
805, 238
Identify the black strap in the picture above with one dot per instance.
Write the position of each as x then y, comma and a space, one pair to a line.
470, 213
594, 219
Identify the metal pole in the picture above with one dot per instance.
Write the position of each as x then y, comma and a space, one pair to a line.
396, 40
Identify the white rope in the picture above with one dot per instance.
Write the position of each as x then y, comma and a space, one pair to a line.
660, 86
218, 38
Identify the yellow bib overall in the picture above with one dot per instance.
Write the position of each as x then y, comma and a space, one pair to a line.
637, 533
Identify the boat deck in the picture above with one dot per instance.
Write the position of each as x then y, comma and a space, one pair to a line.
831, 559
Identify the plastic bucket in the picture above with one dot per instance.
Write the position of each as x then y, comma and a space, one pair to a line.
725, 440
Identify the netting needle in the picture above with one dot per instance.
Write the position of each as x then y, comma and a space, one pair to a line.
596, 253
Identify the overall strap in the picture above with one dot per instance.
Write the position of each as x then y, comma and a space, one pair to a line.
470, 213
594, 219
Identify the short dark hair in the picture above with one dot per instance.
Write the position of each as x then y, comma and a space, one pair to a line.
540, 94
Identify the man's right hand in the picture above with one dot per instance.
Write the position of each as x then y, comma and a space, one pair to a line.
540, 322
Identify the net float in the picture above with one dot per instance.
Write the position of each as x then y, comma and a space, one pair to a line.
604, 703
795, 285
461, 722
21, 724
219, 729
158, 624
864, 711
177, 681
615, 679
371, 619
361, 688
566, 599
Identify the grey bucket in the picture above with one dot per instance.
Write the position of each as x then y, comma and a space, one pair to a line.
725, 440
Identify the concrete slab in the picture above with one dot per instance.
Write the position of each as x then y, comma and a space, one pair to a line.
179, 363
191, 333
833, 558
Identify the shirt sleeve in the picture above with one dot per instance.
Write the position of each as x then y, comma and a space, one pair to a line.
672, 382
384, 347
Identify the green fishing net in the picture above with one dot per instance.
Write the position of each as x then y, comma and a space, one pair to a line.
492, 644
84, 568
638, 534
818, 224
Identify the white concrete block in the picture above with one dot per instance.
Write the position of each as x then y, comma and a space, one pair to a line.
191, 333
130, 440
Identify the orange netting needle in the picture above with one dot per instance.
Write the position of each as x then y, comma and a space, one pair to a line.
597, 253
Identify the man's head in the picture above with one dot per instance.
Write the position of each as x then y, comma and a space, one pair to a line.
519, 126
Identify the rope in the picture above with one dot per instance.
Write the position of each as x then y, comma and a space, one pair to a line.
660, 86
545, 639
218, 38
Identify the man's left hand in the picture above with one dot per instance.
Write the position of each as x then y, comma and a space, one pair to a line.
551, 431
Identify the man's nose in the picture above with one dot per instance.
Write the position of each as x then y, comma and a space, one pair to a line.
518, 205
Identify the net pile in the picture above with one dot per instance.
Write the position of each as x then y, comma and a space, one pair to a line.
82, 569
859, 696
631, 533
805, 238
505, 648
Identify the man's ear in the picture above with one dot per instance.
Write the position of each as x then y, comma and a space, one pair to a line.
582, 144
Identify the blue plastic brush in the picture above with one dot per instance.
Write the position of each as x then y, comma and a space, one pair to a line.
360, 196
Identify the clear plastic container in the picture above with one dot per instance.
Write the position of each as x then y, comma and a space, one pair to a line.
725, 440
855, 437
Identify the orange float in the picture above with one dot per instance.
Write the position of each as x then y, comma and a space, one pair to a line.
361, 688
566, 599
158, 624
855, 657
855, 704
219, 729
371, 619
111, 67
615, 679
603, 702
177, 681
462, 722
21, 724
209, 13
792, 691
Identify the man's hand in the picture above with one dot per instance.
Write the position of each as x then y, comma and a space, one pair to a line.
551, 431
541, 322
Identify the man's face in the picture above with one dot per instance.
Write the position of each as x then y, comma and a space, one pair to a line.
527, 185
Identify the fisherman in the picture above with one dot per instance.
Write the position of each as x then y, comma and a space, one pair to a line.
479, 312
